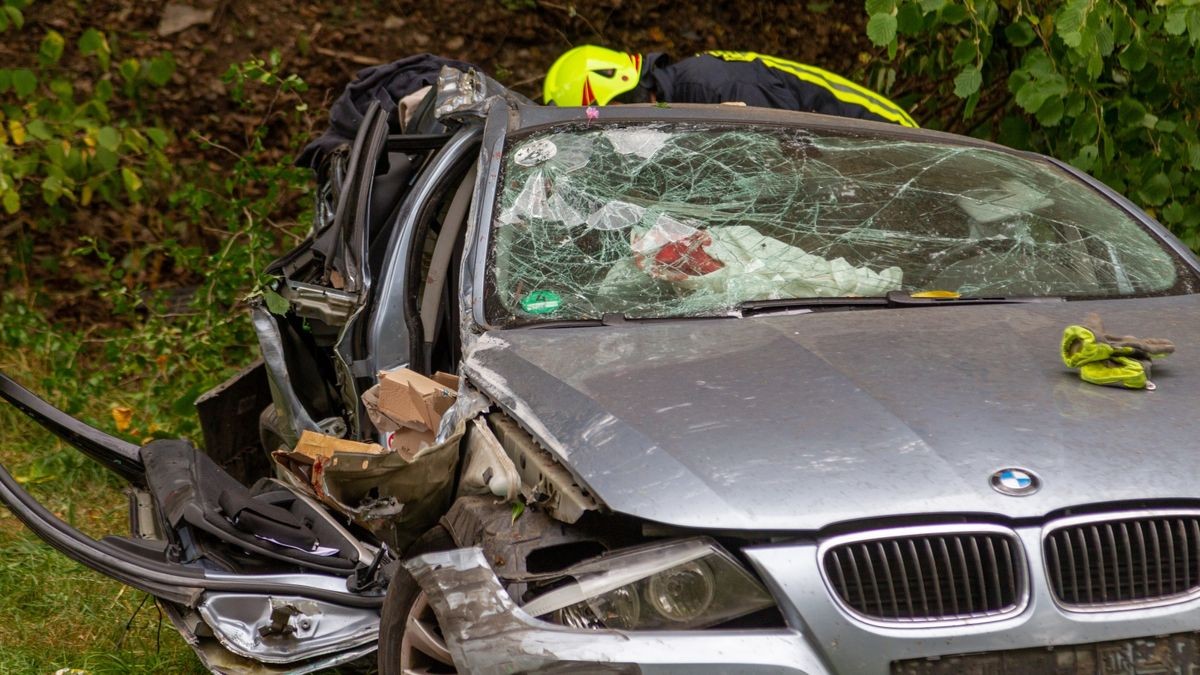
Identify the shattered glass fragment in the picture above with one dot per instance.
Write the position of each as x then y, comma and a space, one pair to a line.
644, 143
616, 215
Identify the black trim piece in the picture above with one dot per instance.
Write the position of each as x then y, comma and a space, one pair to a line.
173, 582
415, 142
120, 457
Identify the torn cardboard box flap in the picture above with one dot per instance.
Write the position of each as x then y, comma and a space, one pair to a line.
407, 406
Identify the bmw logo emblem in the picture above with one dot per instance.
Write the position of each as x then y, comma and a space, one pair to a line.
1015, 482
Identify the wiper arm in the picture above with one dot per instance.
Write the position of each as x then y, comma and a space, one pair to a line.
616, 319
892, 299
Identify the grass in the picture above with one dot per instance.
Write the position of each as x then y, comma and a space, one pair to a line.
55, 613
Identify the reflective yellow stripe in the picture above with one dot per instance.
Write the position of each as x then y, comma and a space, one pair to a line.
840, 87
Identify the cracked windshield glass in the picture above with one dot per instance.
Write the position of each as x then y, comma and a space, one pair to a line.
661, 221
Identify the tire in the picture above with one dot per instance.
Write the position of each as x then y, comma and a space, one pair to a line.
405, 603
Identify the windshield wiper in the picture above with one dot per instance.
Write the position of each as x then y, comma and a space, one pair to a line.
616, 319
892, 300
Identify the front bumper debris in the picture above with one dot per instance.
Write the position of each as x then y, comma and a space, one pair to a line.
487, 633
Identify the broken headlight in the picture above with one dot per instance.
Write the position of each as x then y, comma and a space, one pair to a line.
685, 584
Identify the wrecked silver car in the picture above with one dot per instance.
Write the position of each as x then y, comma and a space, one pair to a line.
686, 389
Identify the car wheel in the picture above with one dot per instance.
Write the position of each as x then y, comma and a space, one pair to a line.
410, 640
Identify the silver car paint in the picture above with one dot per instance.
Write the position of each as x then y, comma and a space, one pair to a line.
800, 422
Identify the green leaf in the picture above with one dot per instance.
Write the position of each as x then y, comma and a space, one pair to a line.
160, 69
518, 508
104, 90
1071, 22
39, 130
24, 82
1130, 112
12, 202
157, 136
910, 20
880, 6
133, 182
109, 138
928, 6
954, 13
91, 42
881, 29
1176, 22
1085, 159
1133, 58
276, 303
964, 52
52, 189
51, 49
1019, 34
1033, 95
107, 159
1156, 190
967, 82
1174, 213
129, 69
14, 15
1193, 25
1051, 112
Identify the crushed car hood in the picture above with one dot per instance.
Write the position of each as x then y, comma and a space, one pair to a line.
800, 421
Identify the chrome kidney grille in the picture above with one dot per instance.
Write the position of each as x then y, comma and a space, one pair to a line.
922, 576
1136, 560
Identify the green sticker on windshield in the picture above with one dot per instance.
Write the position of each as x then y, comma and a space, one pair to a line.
541, 302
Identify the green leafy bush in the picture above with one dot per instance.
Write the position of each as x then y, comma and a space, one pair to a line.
1112, 87
158, 345
61, 140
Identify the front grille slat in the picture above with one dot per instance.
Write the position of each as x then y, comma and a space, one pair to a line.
935, 577
898, 556
916, 561
929, 577
1128, 548
1124, 559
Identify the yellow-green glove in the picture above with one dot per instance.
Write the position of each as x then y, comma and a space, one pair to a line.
1109, 360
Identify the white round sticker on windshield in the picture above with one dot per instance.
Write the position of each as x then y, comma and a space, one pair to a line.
535, 152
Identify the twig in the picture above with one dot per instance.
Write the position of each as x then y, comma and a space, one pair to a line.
347, 56
217, 145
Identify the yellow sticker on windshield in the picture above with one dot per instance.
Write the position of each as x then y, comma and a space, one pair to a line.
936, 295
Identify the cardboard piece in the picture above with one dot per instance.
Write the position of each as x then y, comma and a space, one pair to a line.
412, 401
407, 407
313, 445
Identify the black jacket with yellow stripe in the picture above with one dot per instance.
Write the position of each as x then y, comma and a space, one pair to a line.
766, 81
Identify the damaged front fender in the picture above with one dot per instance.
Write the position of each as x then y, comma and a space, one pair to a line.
486, 632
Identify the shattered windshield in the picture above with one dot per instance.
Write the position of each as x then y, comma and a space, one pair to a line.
686, 220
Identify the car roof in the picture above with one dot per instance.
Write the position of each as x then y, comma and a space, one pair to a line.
532, 117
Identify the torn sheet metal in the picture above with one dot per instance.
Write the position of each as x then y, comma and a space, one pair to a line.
469, 93
283, 629
683, 220
217, 659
